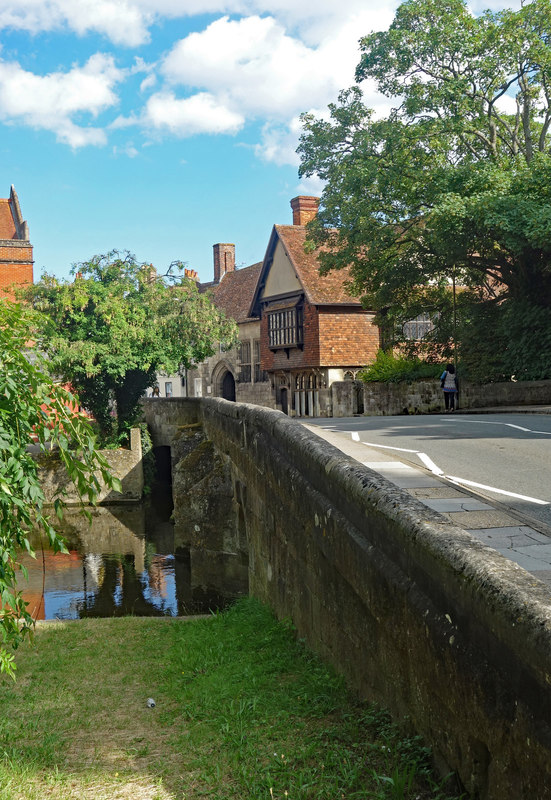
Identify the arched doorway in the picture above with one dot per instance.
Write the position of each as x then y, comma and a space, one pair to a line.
228, 387
284, 401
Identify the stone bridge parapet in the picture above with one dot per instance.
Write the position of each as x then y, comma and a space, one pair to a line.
415, 612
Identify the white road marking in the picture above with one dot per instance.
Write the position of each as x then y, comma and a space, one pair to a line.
490, 422
435, 469
355, 436
388, 447
497, 491
429, 463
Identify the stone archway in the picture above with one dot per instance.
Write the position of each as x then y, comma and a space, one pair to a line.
228, 386
223, 381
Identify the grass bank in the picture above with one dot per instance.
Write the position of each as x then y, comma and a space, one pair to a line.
242, 712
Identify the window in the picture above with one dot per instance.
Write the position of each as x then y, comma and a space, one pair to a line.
168, 389
244, 356
259, 374
416, 329
285, 328
245, 352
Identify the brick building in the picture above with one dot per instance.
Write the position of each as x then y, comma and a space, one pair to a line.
16, 252
233, 374
312, 331
299, 332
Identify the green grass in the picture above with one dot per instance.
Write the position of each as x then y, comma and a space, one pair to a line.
242, 711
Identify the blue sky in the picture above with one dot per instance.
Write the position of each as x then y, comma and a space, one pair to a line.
165, 126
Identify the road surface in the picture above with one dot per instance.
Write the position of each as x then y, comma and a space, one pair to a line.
504, 457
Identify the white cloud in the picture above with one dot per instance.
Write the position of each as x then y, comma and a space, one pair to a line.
127, 22
51, 101
267, 68
122, 21
264, 61
201, 113
124, 122
148, 82
254, 68
127, 150
258, 69
278, 143
312, 186
507, 104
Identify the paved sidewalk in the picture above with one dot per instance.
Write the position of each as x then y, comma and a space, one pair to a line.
523, 544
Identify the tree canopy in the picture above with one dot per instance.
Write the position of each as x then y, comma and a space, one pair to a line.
456, 179
34, 413
109, 331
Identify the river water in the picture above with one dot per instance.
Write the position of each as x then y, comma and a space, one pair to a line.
125, 562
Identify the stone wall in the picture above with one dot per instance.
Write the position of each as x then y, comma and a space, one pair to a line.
425, 396
124, 464
415, 612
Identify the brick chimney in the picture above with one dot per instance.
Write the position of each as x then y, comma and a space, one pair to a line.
224, 260
304, 209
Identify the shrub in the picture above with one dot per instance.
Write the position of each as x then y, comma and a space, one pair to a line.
390, 368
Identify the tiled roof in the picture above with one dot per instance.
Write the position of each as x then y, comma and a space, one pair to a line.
235, 291
319, 289
7, 225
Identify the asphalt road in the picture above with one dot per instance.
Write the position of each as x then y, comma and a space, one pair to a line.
503, 455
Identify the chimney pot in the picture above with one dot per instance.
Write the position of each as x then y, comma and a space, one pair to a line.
304, 209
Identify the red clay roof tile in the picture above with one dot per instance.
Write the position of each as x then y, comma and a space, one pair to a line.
320, 289
235, 291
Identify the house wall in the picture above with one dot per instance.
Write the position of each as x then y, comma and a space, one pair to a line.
281, 278
347, 338
294, 358
333, 337
16, 264
207, 374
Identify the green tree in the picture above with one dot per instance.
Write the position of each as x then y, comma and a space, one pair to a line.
456, 179
34, 413
116, 325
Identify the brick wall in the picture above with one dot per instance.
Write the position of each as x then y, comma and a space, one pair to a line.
333, 337
16, 265
347, 338
14, 274
298, 358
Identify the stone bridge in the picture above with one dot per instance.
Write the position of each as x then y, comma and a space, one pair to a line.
416, 613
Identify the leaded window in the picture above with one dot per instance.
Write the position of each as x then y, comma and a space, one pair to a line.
259, 374
245, 362
416, 329
285, 328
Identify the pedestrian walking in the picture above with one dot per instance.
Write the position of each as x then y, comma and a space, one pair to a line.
448, 382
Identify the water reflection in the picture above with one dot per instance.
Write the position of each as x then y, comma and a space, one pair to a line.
126, 562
